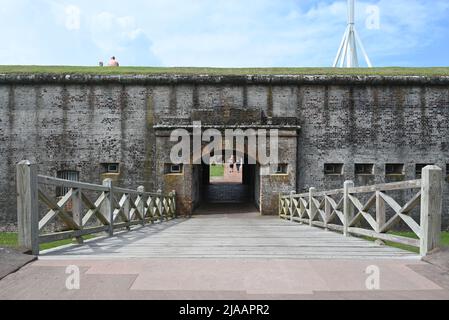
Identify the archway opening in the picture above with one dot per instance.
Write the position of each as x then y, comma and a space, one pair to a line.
227, 186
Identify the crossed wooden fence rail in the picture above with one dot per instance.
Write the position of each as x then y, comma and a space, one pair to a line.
341, 210
114, 208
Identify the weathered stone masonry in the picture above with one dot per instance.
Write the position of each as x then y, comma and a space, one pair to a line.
78, 122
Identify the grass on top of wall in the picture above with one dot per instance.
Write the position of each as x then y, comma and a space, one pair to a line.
388, 71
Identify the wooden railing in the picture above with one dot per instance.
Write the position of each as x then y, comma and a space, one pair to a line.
85, 209
342, 210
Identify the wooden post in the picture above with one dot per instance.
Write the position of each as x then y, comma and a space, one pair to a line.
160, 206
327, 211
149, 204
141, 204
381, 217
174, 204
28, 206
280, 205
312, 207
431, 209
348, 208
302, 209
127, 210
171, 203
107, 207
77, 212
292, 207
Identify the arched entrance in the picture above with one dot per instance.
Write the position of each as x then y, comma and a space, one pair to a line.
260, 186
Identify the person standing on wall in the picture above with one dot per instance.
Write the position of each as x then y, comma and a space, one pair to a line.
113, 62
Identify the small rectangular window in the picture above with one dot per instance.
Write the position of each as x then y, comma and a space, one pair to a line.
447, 170
333, 168
70, 175
173, 168
419, 168
364, 169
394, 169
111, 167
280, 169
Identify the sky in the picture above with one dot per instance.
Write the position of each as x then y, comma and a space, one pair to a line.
220, 33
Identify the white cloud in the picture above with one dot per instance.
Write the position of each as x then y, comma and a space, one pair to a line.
120, 36
110, 32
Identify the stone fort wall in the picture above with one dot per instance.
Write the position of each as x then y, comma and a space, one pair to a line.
80, 122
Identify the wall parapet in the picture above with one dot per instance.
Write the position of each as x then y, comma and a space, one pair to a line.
127, 79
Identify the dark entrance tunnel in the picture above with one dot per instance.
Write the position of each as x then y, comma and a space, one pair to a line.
232, 190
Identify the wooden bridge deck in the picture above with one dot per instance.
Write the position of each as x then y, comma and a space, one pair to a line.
229, 236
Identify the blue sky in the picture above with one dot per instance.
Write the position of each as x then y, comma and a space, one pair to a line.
220, 33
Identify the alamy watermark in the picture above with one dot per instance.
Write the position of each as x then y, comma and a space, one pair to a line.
259, 146
372, 21
373, 280
73, 281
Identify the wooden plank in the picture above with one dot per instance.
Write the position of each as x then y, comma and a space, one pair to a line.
58, 209
122, 225
348, 208
329, 193
139, 205
412, 184
391, 202
411, 223
318, 224
385, 236
335, 227
94, 209
412, 204
70, 184
312, 206
360, 206
46, 238
107, 208
381, 217
77, 211
389, 225
126, 191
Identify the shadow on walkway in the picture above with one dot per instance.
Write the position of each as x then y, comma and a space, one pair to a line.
119, 241
227, 208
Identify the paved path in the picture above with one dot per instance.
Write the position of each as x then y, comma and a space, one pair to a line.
231, 256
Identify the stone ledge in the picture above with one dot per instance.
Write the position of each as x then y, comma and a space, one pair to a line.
220, 80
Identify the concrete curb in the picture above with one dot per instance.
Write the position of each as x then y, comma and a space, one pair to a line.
11, 261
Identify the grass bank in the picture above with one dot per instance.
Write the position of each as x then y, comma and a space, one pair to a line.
444, 241
10, 240
390, 71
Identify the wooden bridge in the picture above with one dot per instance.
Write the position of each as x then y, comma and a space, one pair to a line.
145, 225
236, 235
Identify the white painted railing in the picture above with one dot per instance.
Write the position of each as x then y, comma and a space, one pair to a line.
113, 208
341, 210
